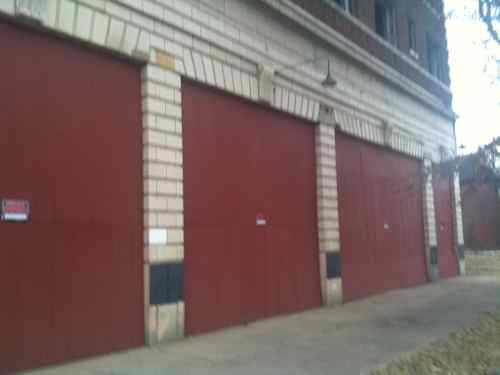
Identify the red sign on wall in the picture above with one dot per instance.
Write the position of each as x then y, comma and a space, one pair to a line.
15, 210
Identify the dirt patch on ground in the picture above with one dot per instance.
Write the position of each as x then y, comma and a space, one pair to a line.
471, 351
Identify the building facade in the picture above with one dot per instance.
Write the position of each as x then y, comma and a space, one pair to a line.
254, 190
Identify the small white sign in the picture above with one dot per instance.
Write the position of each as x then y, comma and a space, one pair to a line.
260, 219
157, 236
15, 217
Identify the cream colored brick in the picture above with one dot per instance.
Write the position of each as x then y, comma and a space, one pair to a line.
329, 234
148, 120
328, 224
150, 219
152, 202
153, 73
174, 141
329, 245
199, 67
100, 28
334, 291
228, 78
209, 70
166, 124
180, 319
219, 75
174, 204
157, 42
169, 156
150, 186
151, 7
170, 219
155, 170
189, 63
154, 137
169, 253
175, 236
180, 188
237, 81
174, 172
153, 105
67, 10
167, 322
177, 97
167, 187
165, 92
118, 11
7, 6
144, 41
149, 153
146, 287
83, 22
152, 325
130, 39
173, 110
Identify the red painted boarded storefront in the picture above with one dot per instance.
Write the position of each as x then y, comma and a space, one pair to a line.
251, 248
381, 218
71, 277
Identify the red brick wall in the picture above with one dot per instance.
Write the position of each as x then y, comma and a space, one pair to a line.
426, 23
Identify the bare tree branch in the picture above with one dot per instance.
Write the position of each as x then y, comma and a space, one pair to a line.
489, 12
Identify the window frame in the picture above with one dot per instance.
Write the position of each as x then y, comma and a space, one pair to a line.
345, 5
412, 37
389, 32
435, 58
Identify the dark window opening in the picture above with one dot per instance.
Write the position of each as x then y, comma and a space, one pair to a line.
435, 62
344, 4
412, 34
385, 22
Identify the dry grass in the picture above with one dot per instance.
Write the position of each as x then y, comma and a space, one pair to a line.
471, 351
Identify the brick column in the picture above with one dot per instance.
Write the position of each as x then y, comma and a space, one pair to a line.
328, 218
163, 204
430, 222
458, 221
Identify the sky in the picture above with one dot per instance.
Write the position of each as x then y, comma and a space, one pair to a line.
475, 83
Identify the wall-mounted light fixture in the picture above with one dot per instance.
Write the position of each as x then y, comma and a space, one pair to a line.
328, 82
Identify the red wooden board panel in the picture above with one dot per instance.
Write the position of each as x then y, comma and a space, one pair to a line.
241, 160
71, 279
443, 203
381, 222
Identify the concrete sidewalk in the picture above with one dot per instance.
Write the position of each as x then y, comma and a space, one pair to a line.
351, 339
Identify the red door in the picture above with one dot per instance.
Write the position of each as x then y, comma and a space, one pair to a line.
381, 222
443, 202
71, 278
250, 211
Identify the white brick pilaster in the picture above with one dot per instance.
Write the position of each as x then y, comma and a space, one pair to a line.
163, 193
429, 221
458, 223
328, 222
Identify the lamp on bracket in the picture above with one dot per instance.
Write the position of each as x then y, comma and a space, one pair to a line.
328, 82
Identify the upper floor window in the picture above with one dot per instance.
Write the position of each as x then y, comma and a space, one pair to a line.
385, 21
344, 4
435, 61
412, 37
